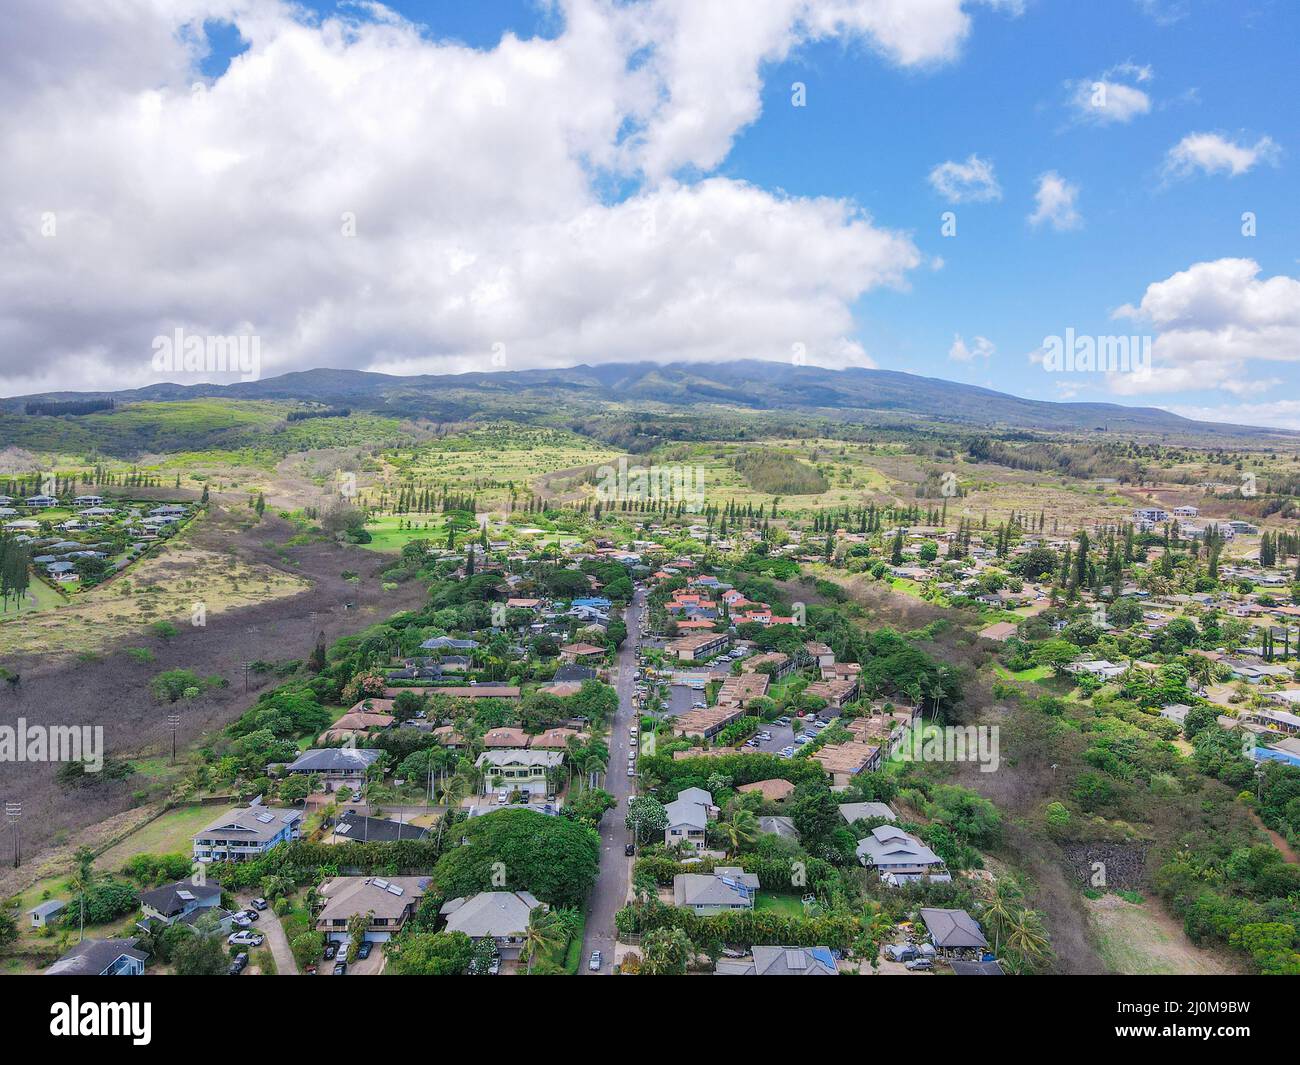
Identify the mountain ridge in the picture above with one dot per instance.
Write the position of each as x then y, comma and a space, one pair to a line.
857, 394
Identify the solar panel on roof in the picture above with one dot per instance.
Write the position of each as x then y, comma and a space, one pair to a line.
265, 819
796, 960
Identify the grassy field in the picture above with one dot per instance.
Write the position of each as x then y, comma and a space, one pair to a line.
164, 586
1140, 940
168, 834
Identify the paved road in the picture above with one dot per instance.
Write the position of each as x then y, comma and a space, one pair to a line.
269, 925
609, 893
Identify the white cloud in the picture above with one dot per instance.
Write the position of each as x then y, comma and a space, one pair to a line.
1054, 203
1212, 320
1280, 413
1212, 153
970, 182
1112, 97
981, 347
479, 179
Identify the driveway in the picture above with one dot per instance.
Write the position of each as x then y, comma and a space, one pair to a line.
609, 893
269, 925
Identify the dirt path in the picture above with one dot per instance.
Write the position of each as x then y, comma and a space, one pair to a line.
1281, 844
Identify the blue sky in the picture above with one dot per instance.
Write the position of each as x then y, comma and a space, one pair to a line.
1196, 125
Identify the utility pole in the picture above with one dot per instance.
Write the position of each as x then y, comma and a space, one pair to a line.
13, 811
174, 723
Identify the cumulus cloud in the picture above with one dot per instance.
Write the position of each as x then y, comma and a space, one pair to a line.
980, 347
970, 182
1112, 97
1211, 321
356, 193
1279, 413
1054, 203
1212, 153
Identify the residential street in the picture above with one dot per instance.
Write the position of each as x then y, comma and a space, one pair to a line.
610, 890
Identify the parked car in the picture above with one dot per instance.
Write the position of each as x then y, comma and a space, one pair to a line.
629, 849
237, 966
783, 720
919, 965
341, 967
246, 939
240, 921
594, 964
631, 770
363, 951
330, 950
259, 904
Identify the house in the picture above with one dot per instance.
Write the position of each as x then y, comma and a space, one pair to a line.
779, 826
1001, 631
389, 902
180, 901
101, 957
354, 827
726, 888
1287, 697
1152, 515
780, 961
505, 739
821, 654
246, 833
688, 817
862, 811
1275, 720
707, 721
739, 691
369, 715
844, 761
581, 652
953, 930
519, 769
41, 914
1186, 511
501, 916
835, 692
572, 673
42, 501
781, 665
775, 790
900, 858
556, 739
336, 766
1099, 668
1176, 712
698, 646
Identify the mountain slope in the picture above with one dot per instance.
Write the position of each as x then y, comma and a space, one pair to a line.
855, 394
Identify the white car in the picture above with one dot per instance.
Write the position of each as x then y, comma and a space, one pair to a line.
631, 770
246, 939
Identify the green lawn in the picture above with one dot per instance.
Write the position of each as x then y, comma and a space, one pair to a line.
1025, 676
790, 905
168, 834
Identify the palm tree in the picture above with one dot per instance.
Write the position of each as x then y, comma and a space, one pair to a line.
741, 830
544, 931
1027, 938
1000, 911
